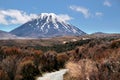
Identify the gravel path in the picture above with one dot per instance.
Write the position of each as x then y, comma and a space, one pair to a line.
58, 75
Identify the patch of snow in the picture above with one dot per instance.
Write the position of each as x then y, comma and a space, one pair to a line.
56, 26
74, 31
85, 38
43, 26
37, 22
48, 26
46, 31
74, 40
64, 42
65, 25
30, 25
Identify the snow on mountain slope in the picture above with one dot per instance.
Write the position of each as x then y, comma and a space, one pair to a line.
47, 25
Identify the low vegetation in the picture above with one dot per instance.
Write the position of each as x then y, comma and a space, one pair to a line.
26, 64
90, 59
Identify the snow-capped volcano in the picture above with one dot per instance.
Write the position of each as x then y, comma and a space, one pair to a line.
47, 25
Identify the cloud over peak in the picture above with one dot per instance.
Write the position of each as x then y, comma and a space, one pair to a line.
13, 16
64, 17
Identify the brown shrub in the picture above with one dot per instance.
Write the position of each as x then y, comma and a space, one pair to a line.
11, 51
62, 58
115, 44
3, 75
80, 52
38, 52
18, 77
48, 61
109, 70
9, 65
26, 70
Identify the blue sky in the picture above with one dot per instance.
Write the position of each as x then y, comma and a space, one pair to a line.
88, 15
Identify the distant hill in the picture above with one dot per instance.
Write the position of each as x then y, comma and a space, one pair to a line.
6, 35
101, 34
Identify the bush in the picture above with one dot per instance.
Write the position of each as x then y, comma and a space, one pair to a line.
62, 58
115, 44
9, 65
26, 70
3, 75
49, 62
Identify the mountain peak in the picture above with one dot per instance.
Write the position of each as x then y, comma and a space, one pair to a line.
47, 14
50, 17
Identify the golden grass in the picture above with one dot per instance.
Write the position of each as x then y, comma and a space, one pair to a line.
82, 69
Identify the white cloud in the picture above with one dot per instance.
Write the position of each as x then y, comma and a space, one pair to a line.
3, 20
64, 17
16, 17
98, 14
12, 16
107, 3
82, 10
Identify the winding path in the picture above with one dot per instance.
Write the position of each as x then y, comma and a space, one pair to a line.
58, 75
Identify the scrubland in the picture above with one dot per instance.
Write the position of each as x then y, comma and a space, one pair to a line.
90, 59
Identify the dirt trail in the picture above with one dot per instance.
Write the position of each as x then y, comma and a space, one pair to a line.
58, 75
